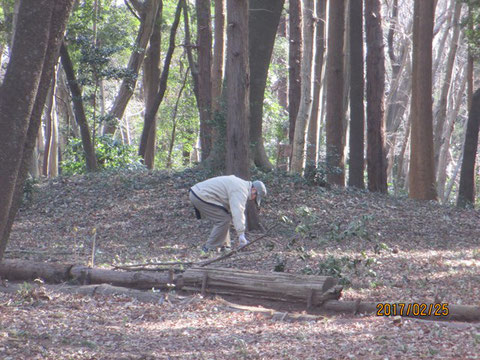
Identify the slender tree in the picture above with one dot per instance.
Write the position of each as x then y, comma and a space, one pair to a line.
334, 110
162, 86
218, 55
466, 189
313, 126
441, 111
376, 156
79, 110
204, 45
294, 63
305, 109
148, 15
422, 172
357, 88
151, 82
237, 90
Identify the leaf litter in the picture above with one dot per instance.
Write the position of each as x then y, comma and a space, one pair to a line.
383, 249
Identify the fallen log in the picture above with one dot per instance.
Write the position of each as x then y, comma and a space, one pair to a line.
315, 291
311, 290
21, 270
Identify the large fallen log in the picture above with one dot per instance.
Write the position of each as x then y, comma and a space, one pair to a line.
314, 291
311, 290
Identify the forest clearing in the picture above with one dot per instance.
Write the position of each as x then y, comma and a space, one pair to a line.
404, 250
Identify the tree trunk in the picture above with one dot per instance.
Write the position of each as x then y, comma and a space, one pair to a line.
441, 113
218, 56
422, 172
151, 78
313, 127
305, 109
445, 149
466, 188
294, 63
443, 41
22, 97
357, 88
48, 129
264, 17
148, 16
376, 156
277, 286
313, 291
151, 112
238, 88
204, 45
174, 122
335, 91
80, 117
400, 179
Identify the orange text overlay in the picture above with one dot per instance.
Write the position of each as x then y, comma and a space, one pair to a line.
412, 309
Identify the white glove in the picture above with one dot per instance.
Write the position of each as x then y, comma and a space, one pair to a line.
242, 240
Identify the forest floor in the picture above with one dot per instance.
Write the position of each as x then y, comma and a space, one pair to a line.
382, 248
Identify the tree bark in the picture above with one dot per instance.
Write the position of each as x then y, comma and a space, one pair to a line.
22, 97
80, 117
376, 155
204, 45
441, 113
151, 78
294, 63
422, 172
238, 88
357, 89
148, 16
335, 91
151, 112
218, 56
445, 149
466, 188
264, 17
304, 111
313, 128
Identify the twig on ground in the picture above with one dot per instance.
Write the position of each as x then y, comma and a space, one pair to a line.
227, 255
144, 266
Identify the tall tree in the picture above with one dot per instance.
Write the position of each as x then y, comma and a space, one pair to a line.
294, 63
422, 172
237, 91
151, 82
466, 189
376, 156
148, 15
441, 111
218, 54
79, 110
334, 111
357, 88
304, 111
204, 45
313, 126
151, 112
263, 22
38, 34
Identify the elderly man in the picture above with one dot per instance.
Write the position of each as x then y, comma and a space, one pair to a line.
223, 199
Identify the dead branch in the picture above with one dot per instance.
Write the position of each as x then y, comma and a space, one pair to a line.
234, 251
